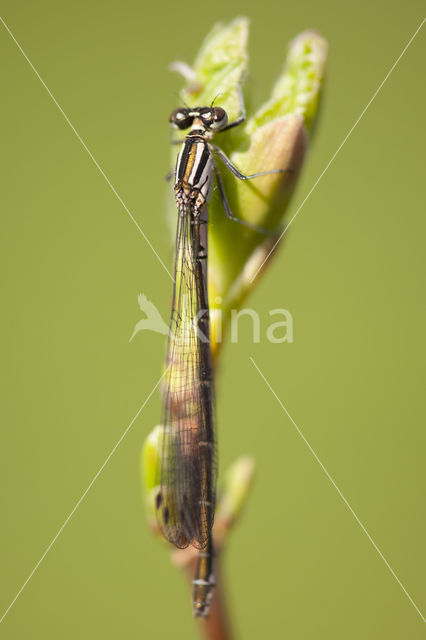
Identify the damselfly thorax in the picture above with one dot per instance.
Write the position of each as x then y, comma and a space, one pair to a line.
194, 172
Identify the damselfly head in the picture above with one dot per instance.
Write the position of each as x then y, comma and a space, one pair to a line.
211, 118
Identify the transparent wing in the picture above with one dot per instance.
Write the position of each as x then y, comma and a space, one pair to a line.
185, 500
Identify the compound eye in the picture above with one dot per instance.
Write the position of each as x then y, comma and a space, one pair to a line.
181, 119
207, 116
220, 118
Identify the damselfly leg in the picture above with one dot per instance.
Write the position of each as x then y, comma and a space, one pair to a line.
228, 212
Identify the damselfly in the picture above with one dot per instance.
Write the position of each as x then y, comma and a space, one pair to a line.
185, 502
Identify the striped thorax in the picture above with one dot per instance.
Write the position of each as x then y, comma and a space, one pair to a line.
194, 166
194, 172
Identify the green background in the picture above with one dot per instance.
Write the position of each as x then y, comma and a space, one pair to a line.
351, 271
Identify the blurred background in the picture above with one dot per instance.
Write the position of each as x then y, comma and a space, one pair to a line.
350, 271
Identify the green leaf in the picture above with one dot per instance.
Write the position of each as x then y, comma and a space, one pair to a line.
151, 458
276, 136
236, 490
